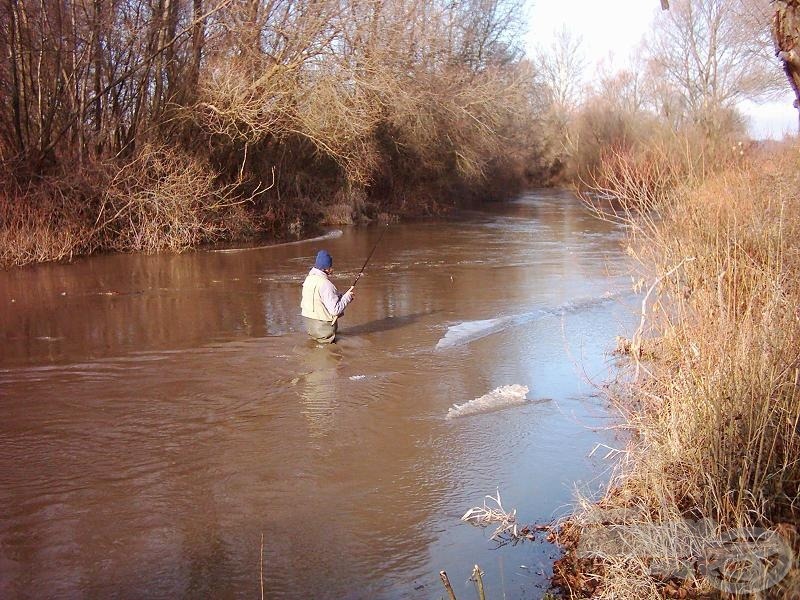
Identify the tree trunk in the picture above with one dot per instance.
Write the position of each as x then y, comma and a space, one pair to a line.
786, 32
16, 78
198, 37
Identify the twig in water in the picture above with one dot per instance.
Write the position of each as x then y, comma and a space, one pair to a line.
611, 451
478, 579
261, 563
508, 530
447, 586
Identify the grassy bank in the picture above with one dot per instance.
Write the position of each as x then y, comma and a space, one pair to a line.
711, 398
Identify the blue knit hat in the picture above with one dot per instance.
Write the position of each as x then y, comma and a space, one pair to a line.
324, 260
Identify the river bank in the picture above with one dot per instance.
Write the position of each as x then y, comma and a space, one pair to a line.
705, 499
189, 124
62, 219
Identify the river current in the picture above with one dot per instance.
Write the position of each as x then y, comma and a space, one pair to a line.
167, 430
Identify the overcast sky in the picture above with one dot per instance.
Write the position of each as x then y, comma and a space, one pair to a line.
612, 29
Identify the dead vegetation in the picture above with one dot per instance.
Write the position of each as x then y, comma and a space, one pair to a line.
508, 530
713, 405
191, 121
43, 222
165, 200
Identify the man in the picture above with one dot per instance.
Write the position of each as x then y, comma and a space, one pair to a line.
321, 305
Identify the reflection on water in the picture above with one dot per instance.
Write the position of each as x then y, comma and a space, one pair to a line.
159, 414
319, 387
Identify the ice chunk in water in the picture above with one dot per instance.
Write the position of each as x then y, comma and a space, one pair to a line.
469, 331
502, 397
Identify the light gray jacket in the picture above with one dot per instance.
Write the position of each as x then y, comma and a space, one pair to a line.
320, 298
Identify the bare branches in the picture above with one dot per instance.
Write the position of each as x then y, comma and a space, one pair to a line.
712, 53
328, 94
163, 200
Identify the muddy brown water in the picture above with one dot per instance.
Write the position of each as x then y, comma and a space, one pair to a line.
160, 414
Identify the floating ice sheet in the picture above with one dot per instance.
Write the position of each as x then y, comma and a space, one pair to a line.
469, 331
502, 397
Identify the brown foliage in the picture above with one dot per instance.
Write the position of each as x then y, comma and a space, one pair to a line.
43, 221
713, 408
180, 107
163, 200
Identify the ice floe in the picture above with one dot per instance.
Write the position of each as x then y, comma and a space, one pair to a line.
469, 331
501, 397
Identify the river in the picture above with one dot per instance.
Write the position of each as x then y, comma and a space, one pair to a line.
161, 415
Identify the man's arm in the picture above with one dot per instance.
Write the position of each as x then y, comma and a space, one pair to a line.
333, 301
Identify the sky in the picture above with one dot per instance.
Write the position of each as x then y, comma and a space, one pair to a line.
611, 31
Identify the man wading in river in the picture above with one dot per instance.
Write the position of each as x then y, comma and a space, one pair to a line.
321, 305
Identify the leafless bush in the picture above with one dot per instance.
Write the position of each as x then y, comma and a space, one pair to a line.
346, 208
45, 221
406, 98
163, 200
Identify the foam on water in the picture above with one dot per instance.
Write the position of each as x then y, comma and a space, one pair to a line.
502, 397
469, 331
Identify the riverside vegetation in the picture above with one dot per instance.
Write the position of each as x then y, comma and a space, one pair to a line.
711, 403
147, 126
150, 125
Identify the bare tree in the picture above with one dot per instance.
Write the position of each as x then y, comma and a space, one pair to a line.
560, 69
329, 95
709, 54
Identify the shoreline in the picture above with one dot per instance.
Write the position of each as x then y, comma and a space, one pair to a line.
329, 235
703, 502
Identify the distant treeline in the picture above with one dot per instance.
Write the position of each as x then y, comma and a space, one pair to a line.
163, 124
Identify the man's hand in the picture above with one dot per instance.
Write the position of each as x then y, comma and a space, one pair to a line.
351, 291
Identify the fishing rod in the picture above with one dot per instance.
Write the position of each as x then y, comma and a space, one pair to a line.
364, 266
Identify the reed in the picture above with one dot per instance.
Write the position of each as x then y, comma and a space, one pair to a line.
713, 409
43, 222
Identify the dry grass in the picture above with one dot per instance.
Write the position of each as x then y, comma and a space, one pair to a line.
347, 207
494, 514
715, 411
161, 199
43, 222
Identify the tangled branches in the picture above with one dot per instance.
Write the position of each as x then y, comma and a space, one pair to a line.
163, 200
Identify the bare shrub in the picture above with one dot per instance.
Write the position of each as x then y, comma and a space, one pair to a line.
347, 207
338, 214
181, 99
45, 221
163, 199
